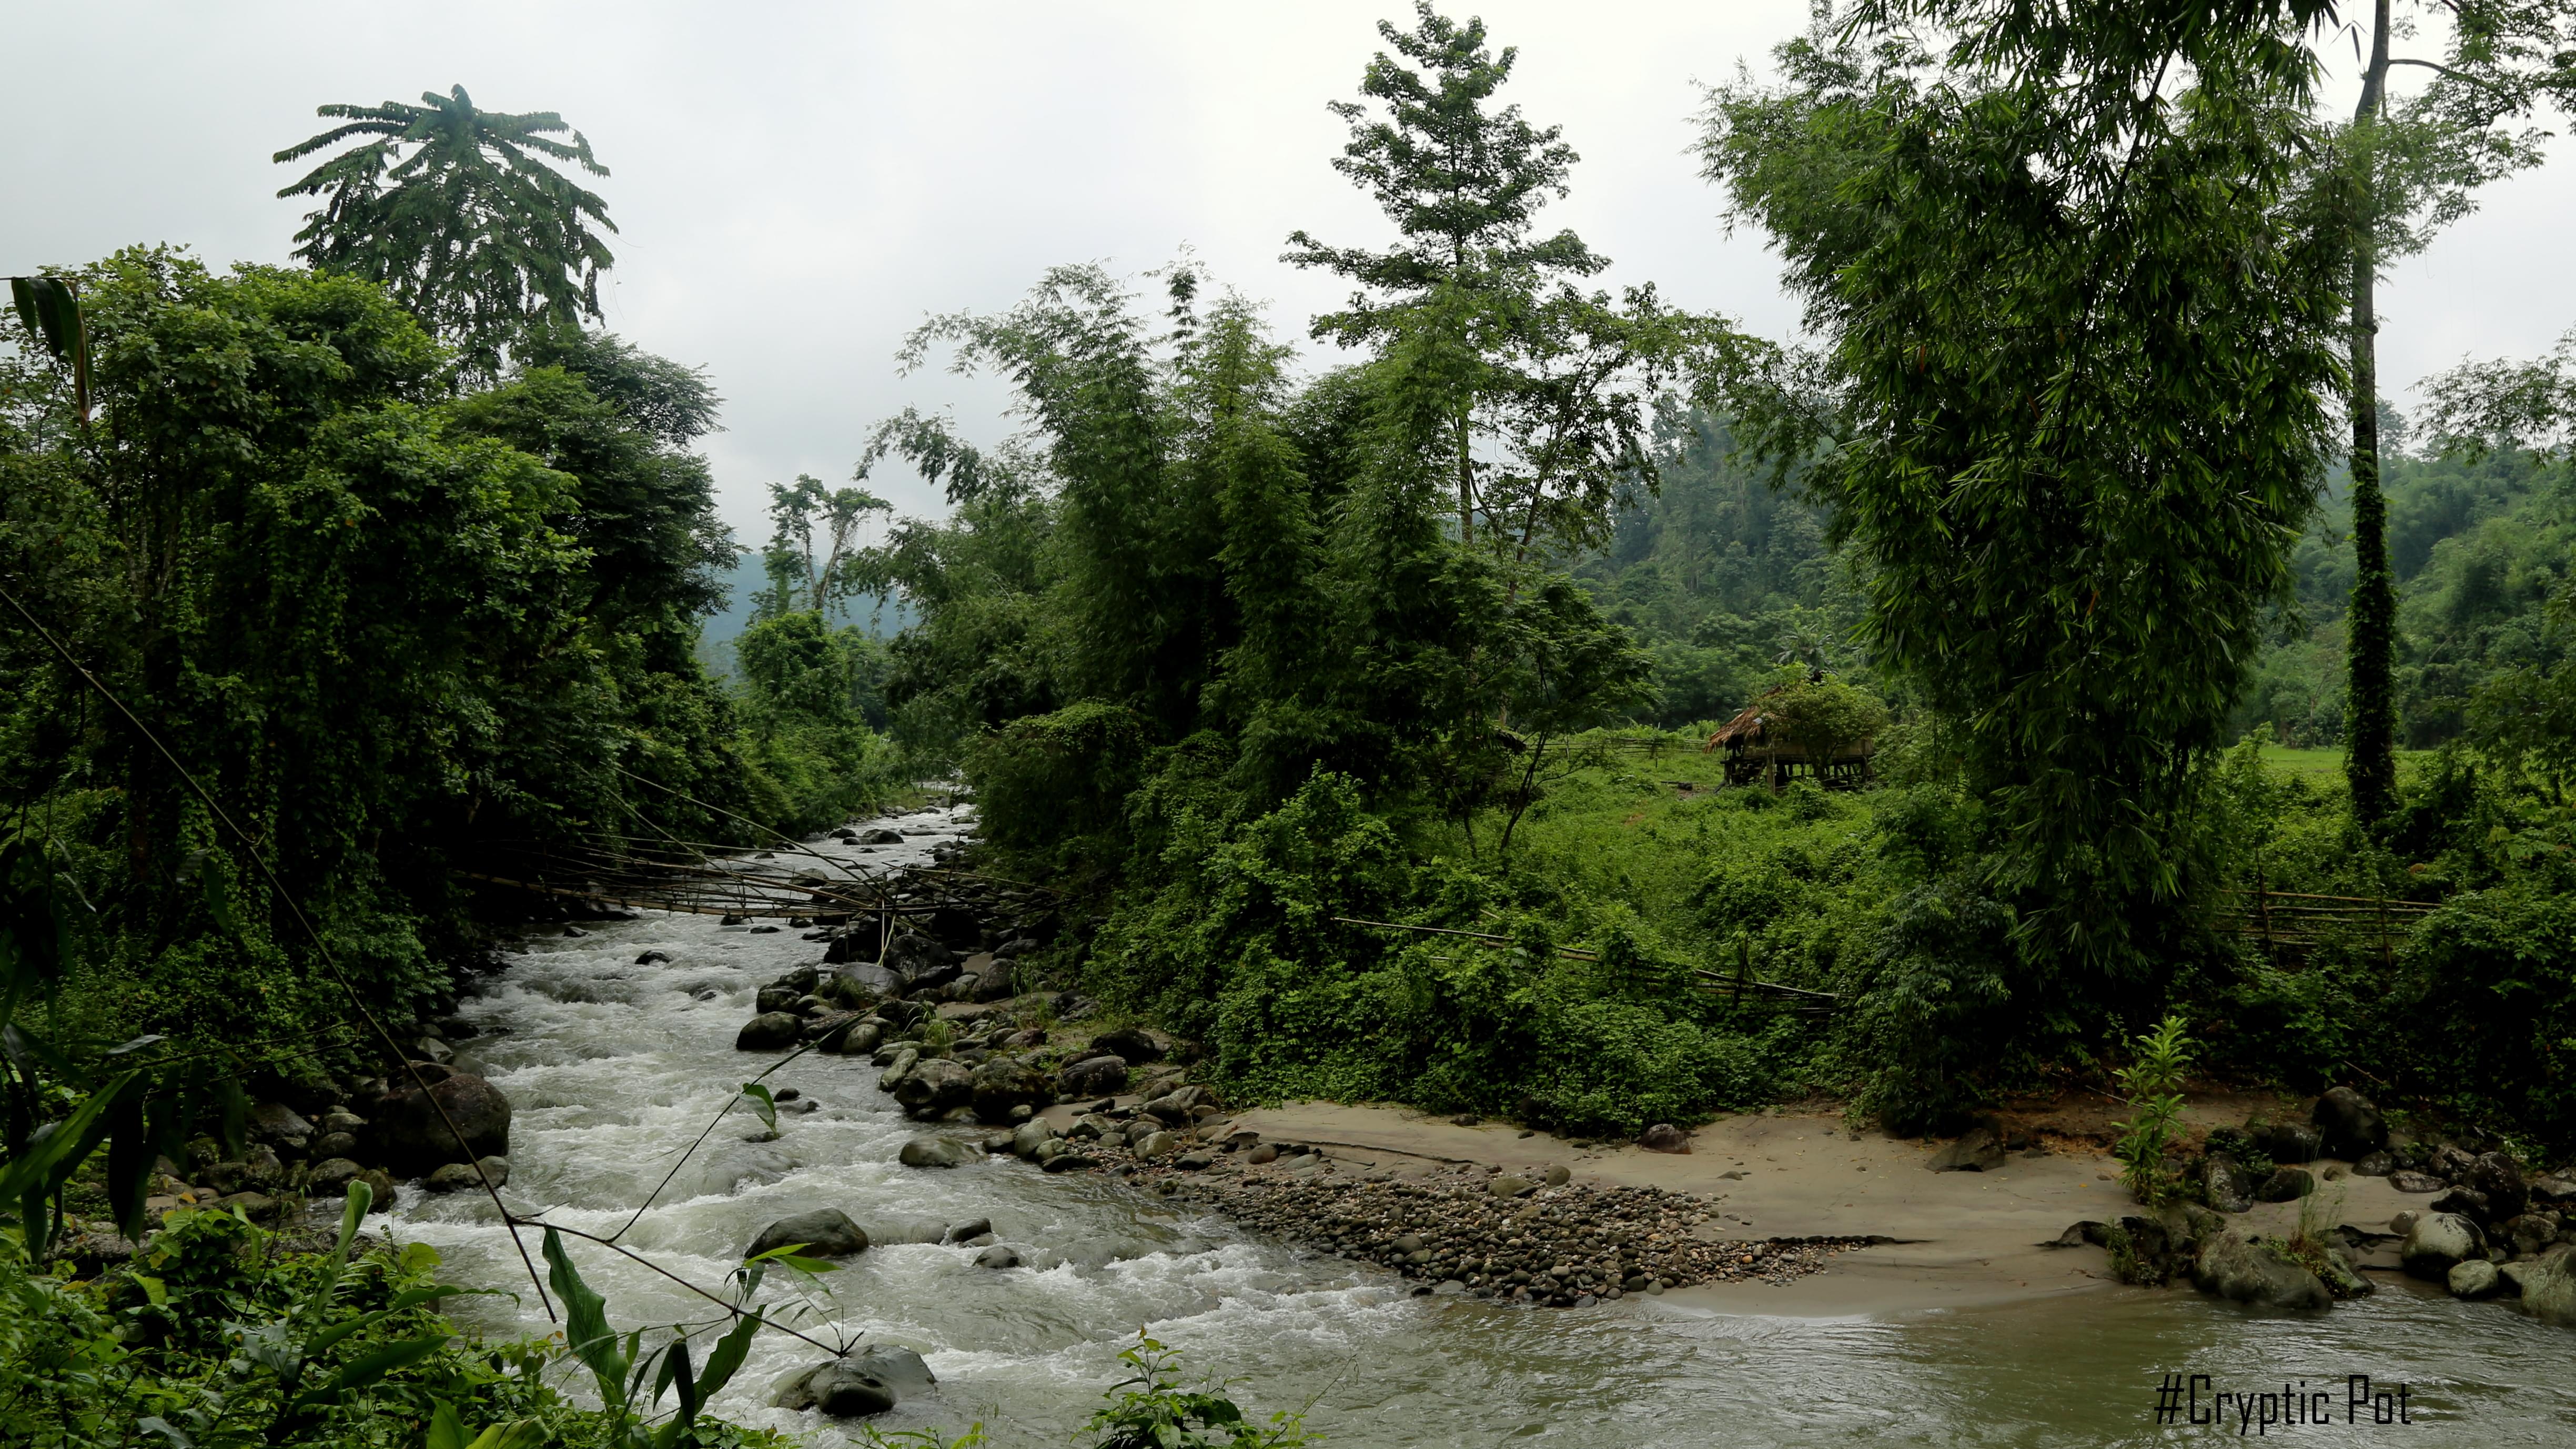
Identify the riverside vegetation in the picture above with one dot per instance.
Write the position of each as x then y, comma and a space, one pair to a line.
327, 586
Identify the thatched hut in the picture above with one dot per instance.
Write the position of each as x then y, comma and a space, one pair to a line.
1760, 749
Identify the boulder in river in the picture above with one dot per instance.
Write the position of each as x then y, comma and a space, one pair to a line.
1002, 1084
934, 1085
1979, 1149
2374, 1164
1098, 1076
825, 1232
2405, 1180
1000, 1255
2549, 1288
2473, 1278
414, 1138
931, 1152
2350, 1126
768, 1032
2244, 1270
880, 835
2438, 1241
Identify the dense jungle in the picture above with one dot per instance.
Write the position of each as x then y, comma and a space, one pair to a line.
1443, 713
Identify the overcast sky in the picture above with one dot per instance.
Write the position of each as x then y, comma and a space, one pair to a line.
796, 186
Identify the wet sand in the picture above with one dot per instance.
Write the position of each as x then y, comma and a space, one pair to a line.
1953, 1239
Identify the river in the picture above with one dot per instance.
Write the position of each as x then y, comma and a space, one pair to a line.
613, 1066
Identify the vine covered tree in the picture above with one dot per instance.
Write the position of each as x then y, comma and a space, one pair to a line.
456, 211
2415, 164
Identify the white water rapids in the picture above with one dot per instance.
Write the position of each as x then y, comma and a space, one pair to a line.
614, 1067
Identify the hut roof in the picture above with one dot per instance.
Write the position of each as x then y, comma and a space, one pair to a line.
1747, 726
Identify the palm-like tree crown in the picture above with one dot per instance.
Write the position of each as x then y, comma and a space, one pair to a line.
453, 209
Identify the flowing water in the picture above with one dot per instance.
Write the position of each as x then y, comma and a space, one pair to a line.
614, 1067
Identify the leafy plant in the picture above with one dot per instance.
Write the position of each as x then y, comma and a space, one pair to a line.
1153, 1410
2153, 1084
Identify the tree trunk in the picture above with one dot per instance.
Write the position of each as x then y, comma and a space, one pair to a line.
1466, 479
2370, 626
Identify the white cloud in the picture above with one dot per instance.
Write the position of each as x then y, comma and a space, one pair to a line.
798, 185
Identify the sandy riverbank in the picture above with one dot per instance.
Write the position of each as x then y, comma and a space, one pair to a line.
1955, 1239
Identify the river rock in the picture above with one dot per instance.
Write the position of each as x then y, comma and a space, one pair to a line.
277, 1123
2404, 1180
2349, 1125
454, 1177
2225, 1183
860, 1040
838, 1388
2466, 1202
2473, 1278
1179, 1108
1155, 1144
335, 1144
2499, 1179
769, 1032
2286, 1184
1070, 1162
1130, 1044
1031, 1135
331, 1177
905, 1059
2436, 1242
259, 1207
825, 1232
2374, 1164
880, 835
1002, 1084
1000, 1255
1099, 1076
934, 1085
776, 998
1979, 1149
2549, 1288
414, 1140
931, 1152
2244, 1270
1665, 1137
2287, 1143
1506, 1185
2529, 1234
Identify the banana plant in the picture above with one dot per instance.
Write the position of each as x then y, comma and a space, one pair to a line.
51, 309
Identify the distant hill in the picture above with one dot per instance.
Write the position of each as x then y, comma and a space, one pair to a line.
882, 619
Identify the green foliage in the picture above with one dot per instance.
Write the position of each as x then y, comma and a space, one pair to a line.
2153, 1082
210, 1338
1824, 716
2039, 449
1153, 1411
1249, 947
1495, 347
386, 624
455, 211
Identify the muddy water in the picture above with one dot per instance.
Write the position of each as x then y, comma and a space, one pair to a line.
614, 1066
